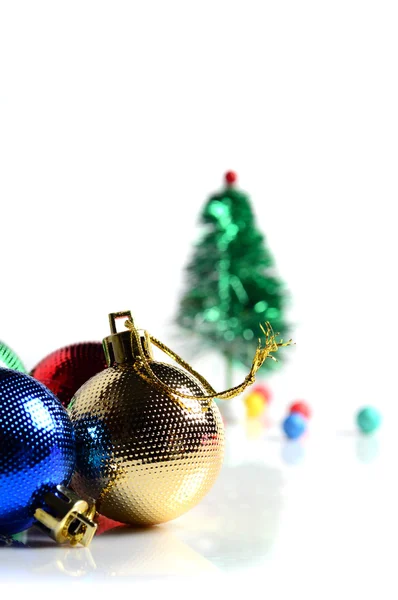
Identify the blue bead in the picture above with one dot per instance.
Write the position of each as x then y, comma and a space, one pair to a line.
368, 419
294, 425
37, 448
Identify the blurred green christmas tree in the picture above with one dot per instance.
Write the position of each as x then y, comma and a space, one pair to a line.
232, 285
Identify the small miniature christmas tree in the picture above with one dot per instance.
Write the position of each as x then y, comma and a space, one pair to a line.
232, 285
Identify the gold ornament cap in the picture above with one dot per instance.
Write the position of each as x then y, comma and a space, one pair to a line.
69, 518
120, 347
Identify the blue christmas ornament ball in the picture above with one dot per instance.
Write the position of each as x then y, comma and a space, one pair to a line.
294, 425
368, 419
37, 448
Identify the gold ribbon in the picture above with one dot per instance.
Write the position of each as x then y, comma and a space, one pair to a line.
142, 366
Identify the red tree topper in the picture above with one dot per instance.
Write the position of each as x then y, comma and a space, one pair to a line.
230, 177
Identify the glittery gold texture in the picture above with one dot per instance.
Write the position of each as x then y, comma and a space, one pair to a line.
145, 458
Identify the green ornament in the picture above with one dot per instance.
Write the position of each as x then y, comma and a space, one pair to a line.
368, 419
9, 360
232, 286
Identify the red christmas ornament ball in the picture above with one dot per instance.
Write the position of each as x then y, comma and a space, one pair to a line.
65, 370
230, 177
105, 524
301, 407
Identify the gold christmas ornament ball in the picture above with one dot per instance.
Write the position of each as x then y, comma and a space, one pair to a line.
144, 456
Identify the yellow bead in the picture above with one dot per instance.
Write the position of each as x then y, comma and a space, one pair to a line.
255, 404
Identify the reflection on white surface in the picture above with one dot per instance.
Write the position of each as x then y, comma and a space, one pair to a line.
292, 451
367, 448
275, 503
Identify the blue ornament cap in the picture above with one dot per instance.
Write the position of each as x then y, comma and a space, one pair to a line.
37, 448
294, 426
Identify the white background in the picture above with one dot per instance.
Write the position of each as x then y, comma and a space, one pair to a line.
117, 119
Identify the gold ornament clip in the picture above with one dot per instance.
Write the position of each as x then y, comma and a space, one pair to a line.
119, 347
70, 519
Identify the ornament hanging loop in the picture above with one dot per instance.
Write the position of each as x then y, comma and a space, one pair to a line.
144, 369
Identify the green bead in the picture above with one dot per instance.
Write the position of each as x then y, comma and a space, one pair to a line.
368, 419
